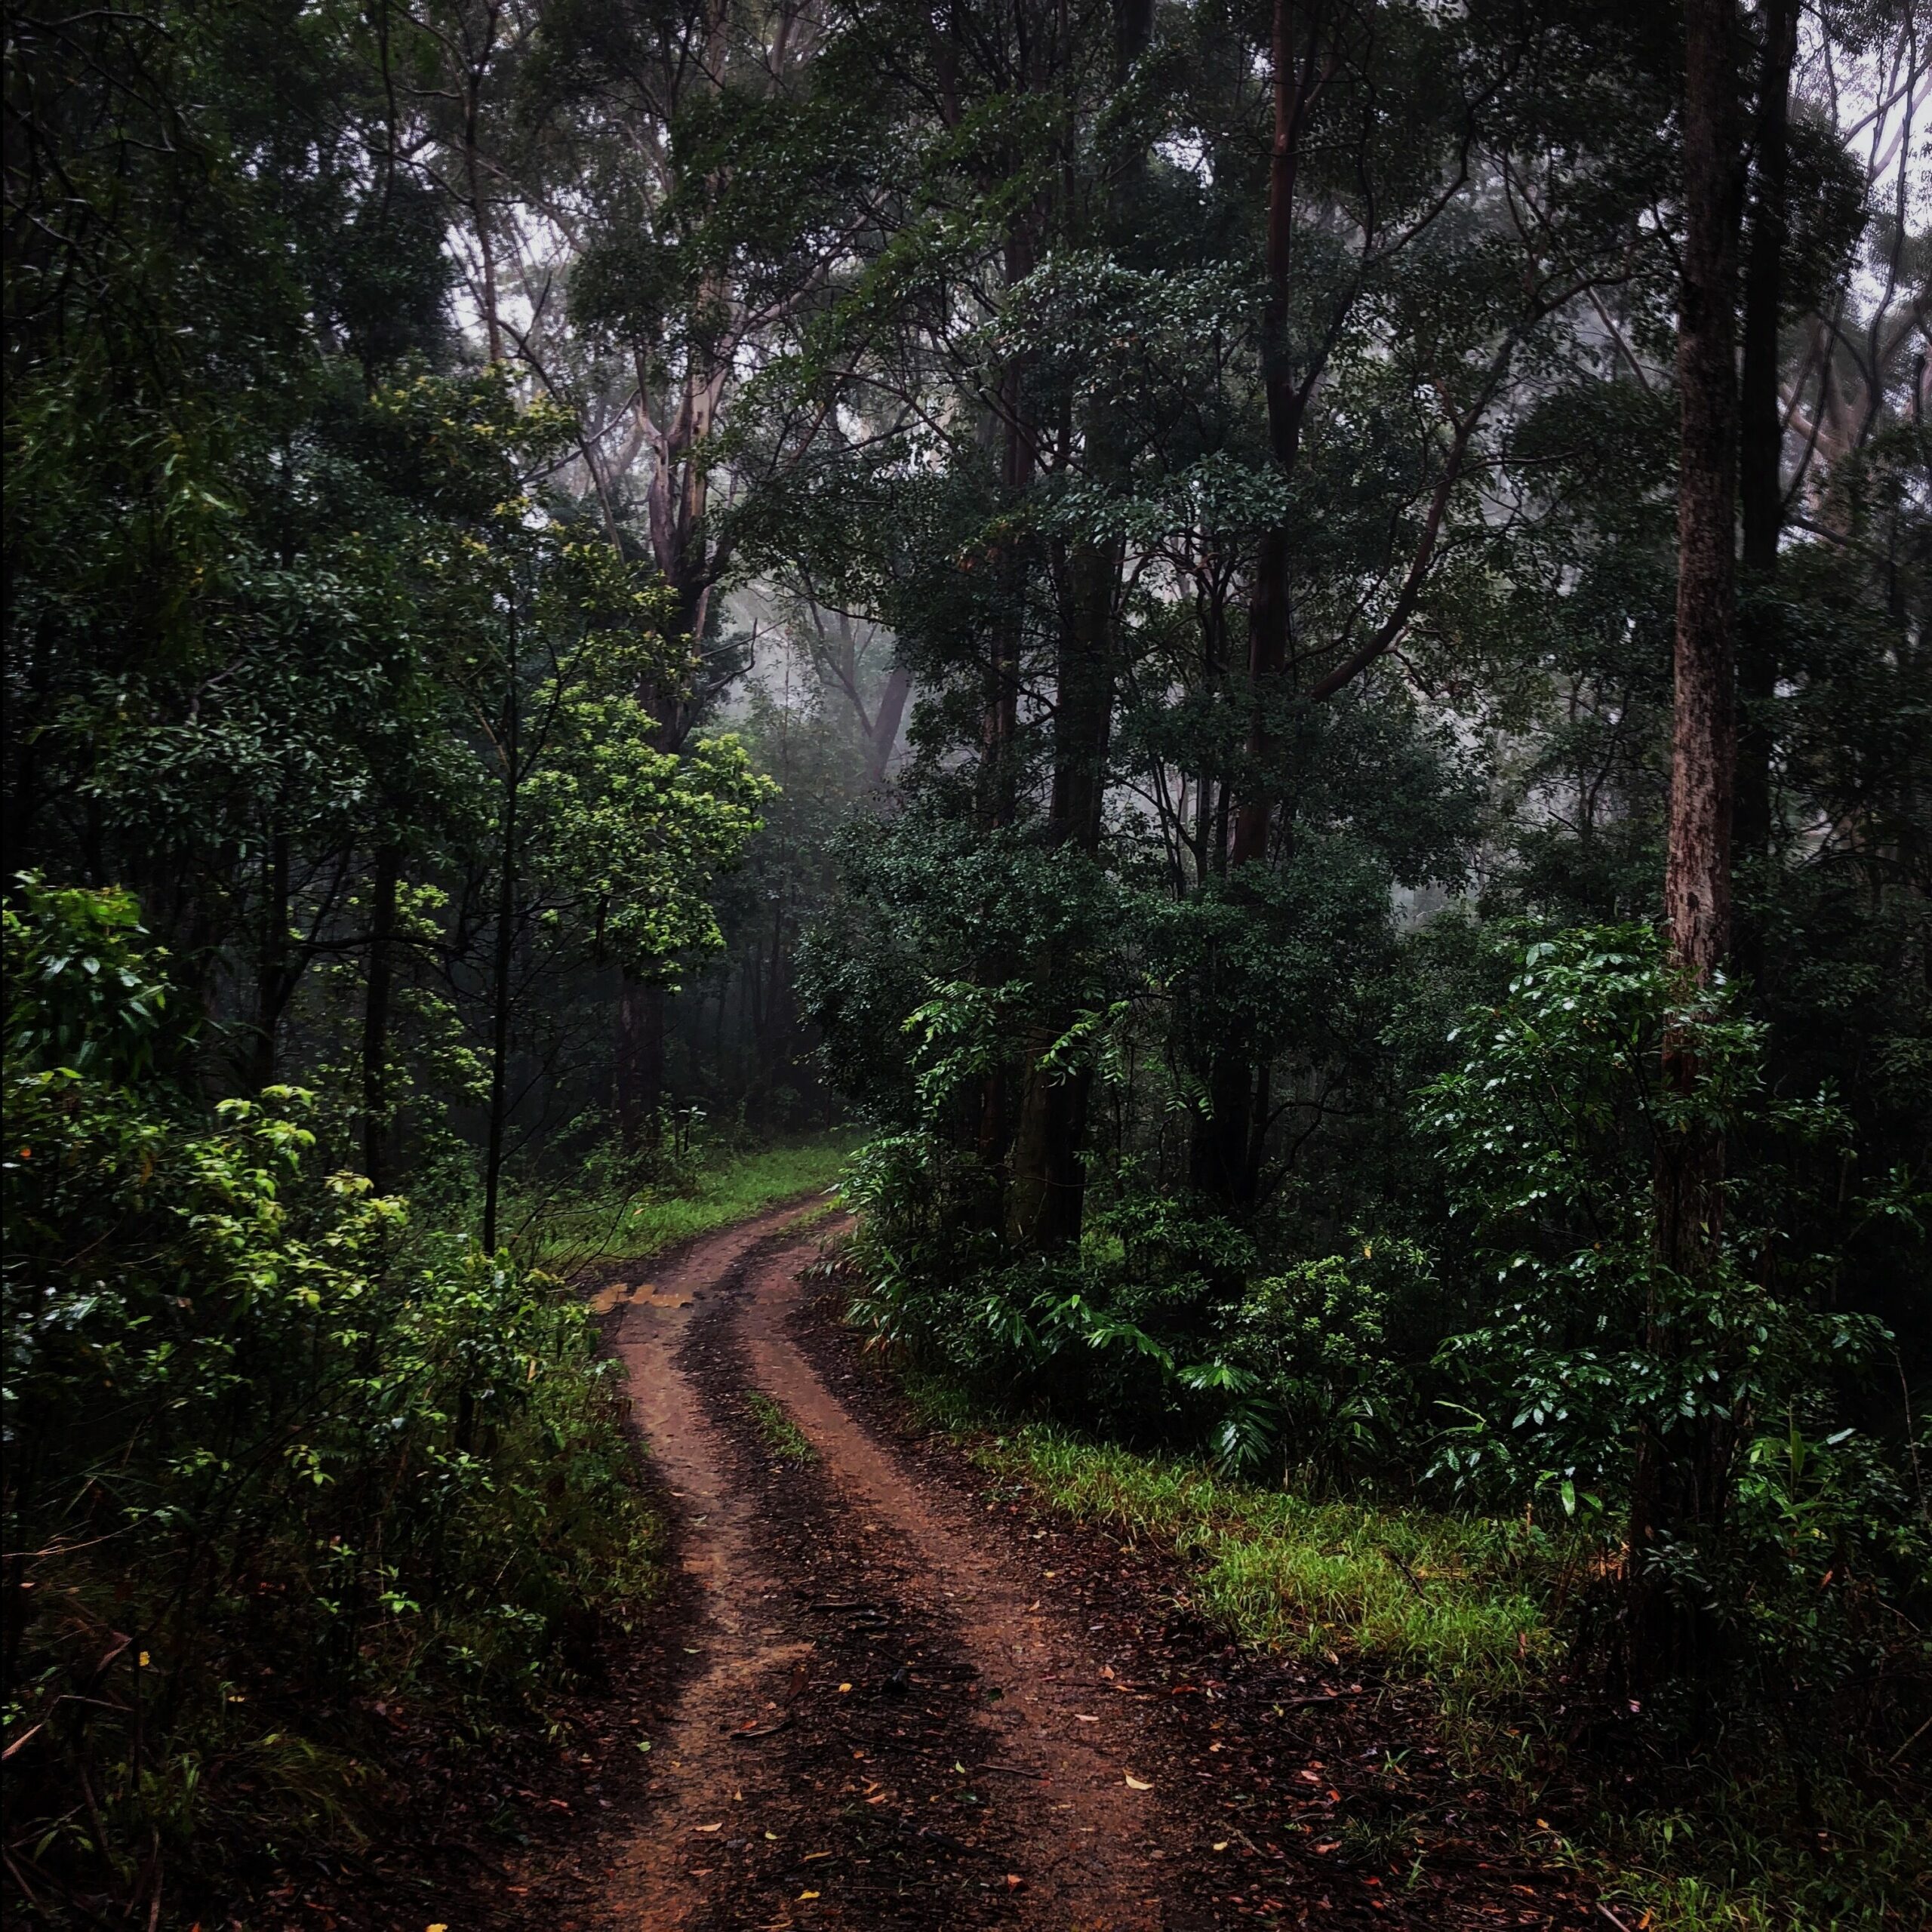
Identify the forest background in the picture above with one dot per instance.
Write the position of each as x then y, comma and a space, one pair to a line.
1133, 604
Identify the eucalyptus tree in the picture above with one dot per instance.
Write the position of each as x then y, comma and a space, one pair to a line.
1195, 367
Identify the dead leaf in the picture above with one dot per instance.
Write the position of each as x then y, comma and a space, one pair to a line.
1135, 1784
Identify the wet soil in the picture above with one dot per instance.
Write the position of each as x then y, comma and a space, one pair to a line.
908, 1700
887, 1690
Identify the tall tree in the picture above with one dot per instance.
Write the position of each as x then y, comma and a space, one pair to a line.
1678, 1483
1761, 423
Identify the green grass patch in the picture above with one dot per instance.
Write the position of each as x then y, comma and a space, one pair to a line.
1742, 1840
614, 1225
783, 1436
1451, 1597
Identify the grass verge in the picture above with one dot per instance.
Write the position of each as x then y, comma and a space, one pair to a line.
619, 1225
1752, 1842
1457, 1598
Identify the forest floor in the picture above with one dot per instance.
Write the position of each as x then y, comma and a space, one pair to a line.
883, 1693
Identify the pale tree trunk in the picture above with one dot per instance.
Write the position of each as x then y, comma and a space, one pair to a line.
1761, 442
882, 737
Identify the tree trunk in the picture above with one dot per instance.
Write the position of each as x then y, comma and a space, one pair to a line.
882, 740
1223, 1162
1678, 1486
271, 961
641, 1062
1761, 442
998, 781
505, 957
1046, 1201
1704, 734
1269, 622
377, 1128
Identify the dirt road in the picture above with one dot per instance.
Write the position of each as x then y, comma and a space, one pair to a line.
905, 1703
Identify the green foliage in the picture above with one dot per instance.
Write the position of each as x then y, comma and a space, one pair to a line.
1810, 1555
1326, 1343
272, 1448
618, 1218
638, 834
80, 991
783, 1436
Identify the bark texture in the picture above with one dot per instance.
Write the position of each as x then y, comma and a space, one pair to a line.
1761, 443
1704, 733
1680, 1481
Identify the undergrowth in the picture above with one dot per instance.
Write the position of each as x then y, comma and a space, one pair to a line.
287, 1472
613, 1221
1748, 1835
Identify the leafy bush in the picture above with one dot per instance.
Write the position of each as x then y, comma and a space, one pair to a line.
271, 1450
1806, 1552
1327, 1341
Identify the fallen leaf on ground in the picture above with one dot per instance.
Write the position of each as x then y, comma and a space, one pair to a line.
1135, 1784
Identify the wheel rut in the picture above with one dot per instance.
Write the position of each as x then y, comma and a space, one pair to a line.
881, 1728
891, 1712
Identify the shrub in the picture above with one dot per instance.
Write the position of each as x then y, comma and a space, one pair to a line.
1805, 1553
271, 1449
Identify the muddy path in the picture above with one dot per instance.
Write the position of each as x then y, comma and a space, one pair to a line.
898, 1701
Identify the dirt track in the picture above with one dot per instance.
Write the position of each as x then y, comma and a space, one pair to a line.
905, 1703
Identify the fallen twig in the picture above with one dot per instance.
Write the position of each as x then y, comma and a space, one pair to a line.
1892, 1760
752, 1730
